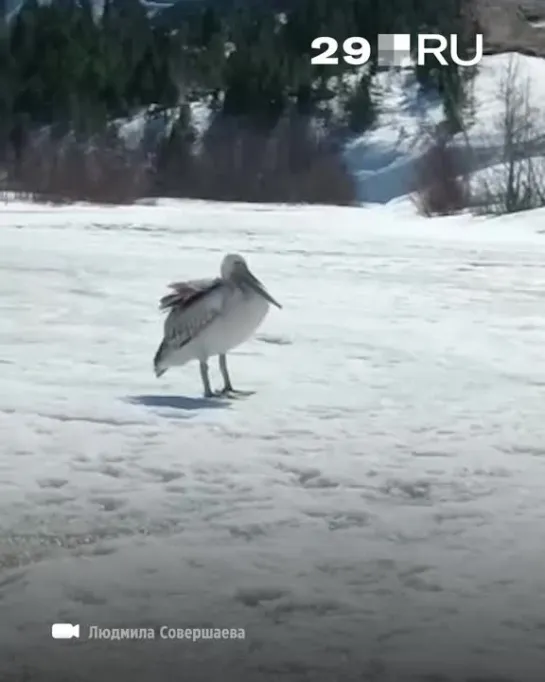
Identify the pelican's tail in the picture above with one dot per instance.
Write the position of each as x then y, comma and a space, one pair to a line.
158, 366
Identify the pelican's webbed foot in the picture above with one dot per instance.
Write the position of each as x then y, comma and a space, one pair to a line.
230, 392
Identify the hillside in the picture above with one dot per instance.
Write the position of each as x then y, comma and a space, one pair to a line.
513, 26
223, 103
385, 159
166, 11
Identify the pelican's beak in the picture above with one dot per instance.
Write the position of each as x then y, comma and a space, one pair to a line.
256, 286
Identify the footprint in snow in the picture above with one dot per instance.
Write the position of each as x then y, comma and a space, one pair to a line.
274, 340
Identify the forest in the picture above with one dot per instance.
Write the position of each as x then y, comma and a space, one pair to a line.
69, 69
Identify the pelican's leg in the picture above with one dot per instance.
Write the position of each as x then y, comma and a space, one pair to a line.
228, 389
227, 385
205, 380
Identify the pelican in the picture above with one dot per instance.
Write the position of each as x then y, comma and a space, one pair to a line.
210, 317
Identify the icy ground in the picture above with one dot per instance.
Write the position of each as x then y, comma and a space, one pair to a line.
377, 507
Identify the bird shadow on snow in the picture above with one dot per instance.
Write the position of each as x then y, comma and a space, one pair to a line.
178, 402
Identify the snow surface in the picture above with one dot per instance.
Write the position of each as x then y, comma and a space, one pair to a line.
374, 511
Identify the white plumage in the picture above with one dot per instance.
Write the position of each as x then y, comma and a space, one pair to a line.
211, 317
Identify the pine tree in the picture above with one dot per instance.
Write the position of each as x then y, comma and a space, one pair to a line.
360, 107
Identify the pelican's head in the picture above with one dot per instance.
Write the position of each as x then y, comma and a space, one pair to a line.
235, 269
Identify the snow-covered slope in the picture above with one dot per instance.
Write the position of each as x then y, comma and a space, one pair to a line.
373, 512
152, 125
383, 159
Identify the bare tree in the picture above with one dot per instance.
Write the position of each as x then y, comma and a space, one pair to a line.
516, 181
100, 169
441, 185
441, 175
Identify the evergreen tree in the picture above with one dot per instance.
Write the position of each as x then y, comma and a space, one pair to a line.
360, 107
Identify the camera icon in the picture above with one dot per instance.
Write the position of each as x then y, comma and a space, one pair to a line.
64, 631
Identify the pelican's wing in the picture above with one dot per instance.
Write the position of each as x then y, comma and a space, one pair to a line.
192, 307
186, 293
